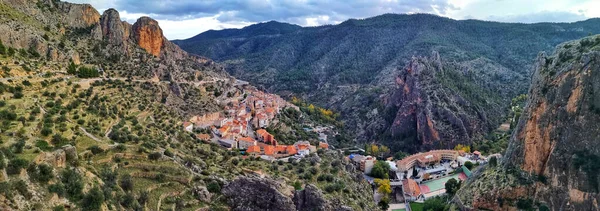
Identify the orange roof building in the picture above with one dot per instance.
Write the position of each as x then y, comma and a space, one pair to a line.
204, 137
269, 150
266, 137
411, 188
323, 145
291, 150
253, 150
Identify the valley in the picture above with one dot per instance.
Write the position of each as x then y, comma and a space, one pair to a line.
392, 112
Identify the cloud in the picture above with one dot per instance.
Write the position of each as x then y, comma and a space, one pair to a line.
281, 10
544, 16
186, 18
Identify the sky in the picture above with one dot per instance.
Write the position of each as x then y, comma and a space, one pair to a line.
182, 19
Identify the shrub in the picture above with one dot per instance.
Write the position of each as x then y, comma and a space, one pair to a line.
213, 187
154, 156
126, 183
15, 165
95, 149
93, 200
73, 184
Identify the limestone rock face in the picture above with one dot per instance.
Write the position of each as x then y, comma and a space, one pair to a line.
113, 29
246, 194
148, 35
202, 194
423, 113
556, 138
80, 15
310, 199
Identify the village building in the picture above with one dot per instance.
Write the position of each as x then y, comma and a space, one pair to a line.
425, 159
253, 150
265, 137
188, 126
246, 142
412, 191
366, 165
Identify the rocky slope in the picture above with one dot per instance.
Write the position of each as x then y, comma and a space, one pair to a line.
91, 110
552, 159
430, 107
352, 67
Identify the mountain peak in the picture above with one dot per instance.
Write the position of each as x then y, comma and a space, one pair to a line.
148, 34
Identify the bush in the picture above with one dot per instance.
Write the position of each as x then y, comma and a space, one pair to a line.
43, 145
168, 153
40, 173
15, 165
95, 149
57, 188
73, 184
93, 200
126, 183
213, 187
154, 156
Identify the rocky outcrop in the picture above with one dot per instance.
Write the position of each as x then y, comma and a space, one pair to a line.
426, 111
79, 15
148, 35
113, 29
249, 193
311, 199
554, 152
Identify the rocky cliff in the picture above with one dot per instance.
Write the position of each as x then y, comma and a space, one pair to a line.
435, 104
552, 160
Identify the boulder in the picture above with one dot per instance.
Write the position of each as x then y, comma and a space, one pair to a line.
310, 199
250, 193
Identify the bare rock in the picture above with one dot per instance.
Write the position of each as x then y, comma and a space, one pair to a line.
248, 194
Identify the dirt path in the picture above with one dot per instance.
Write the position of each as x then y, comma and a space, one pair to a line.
89, 134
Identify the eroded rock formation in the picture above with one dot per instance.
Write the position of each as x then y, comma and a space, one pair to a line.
553, 156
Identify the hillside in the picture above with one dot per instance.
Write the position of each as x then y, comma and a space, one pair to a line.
352, 67
552, 158
93, 111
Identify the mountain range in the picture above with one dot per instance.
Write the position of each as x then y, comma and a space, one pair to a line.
353, 68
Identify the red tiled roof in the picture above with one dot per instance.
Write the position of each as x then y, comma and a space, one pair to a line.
323, 145
186, 124
411, 188
291, 150
253, 149
269, 150
246, 139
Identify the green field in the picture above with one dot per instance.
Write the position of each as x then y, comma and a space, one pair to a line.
415, 206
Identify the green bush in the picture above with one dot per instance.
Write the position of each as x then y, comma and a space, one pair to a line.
213, 187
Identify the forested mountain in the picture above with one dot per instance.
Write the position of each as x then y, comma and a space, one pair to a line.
352, 67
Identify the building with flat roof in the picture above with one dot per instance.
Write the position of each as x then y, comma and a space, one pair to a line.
426, 158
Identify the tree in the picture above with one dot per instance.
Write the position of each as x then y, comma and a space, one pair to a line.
93, 199
493, 161
383, 186
213, 187
469, 165
384, 203
72, 69
435, 204
452, 185
380, 170
126, 183
400, 155
297, 185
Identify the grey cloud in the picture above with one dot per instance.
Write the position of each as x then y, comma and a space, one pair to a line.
544, 16
281, 10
